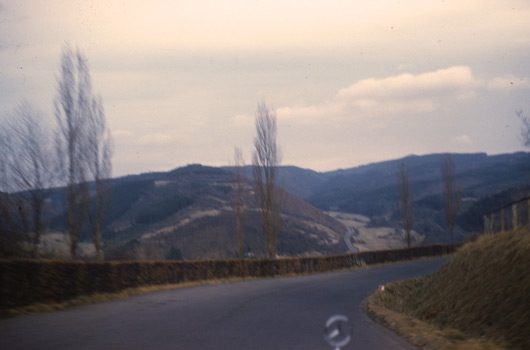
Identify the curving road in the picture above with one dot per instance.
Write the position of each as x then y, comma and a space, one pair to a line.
281, 313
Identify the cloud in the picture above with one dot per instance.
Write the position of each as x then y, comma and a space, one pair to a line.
404, 94
507, 83
449, 80
303, 113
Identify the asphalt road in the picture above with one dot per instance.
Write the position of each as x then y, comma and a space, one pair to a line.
280, 313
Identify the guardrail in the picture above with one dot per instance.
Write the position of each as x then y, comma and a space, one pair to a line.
508, 217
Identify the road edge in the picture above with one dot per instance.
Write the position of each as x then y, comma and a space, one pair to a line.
97, 298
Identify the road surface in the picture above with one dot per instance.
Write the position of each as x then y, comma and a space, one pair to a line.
280, 313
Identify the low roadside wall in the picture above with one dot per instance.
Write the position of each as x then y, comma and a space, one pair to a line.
23, 282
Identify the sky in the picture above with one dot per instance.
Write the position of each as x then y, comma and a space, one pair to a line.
351, 82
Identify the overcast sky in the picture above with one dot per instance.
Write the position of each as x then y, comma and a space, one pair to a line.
353, 82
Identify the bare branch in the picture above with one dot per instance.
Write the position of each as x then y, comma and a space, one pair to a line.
11, 233
98, 153
525, 131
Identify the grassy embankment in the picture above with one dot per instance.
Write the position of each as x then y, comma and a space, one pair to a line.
478, 300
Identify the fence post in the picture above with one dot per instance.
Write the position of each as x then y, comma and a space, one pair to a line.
492, 223
515, 218
485, 223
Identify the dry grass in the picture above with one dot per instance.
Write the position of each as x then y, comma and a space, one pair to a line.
105, 297
480, 298
421, 333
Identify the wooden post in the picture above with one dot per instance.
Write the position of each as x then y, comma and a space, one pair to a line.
492, 223
485, 224
502, 220
515, 218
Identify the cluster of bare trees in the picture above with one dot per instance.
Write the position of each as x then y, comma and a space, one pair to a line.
84, 148
31, 161
25, 167
452, 196
452, 193
268, 194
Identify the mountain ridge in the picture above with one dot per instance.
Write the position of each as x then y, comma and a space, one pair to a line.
371, 190
187, 210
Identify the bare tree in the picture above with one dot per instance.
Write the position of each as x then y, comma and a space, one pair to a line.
406, 197
265, 161
99, 153
452, 194
72, 105
84, 146
31, 167
525, 132
238, 205
11, 233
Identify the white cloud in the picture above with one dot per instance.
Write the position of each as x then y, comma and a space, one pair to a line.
304, 114
507, 83
449, 80
404, 94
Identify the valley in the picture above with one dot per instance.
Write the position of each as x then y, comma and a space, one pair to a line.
365, 237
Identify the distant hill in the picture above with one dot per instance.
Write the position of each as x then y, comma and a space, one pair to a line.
372, 190
300, 182
186, 213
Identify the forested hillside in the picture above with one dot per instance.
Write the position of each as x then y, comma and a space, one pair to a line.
187, 213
